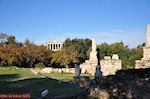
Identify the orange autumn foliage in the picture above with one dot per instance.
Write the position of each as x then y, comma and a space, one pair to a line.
24, 56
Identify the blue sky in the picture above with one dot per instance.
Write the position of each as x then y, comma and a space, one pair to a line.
106, 20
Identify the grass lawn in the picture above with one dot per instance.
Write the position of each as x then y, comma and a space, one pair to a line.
17, 80
64, 76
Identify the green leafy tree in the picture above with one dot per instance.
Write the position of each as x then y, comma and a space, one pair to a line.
40, 65
136, 54
116, 48
79, 45
11, 39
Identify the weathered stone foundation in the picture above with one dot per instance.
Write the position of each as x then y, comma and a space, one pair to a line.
110, 66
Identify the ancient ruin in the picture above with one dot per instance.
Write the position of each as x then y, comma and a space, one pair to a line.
110, 66
54, 45
90, 65
145, 62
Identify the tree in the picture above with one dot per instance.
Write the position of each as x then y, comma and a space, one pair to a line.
79, 45
122, 51
11, 39
116, 48
7, 54
66, 57
32, 54
136, 54
24, 56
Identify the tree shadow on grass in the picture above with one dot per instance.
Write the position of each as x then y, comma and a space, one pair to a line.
10, 76
35, 86
4, 79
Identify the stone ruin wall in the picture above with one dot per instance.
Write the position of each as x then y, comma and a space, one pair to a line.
142, 64
52, 70
110, 66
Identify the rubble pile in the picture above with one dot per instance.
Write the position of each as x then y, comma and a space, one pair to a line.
126, 84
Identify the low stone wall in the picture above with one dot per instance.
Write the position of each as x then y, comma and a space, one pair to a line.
52, 70
109, 65
142, 64
88, 67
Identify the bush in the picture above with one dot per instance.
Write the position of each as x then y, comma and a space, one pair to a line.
40, 65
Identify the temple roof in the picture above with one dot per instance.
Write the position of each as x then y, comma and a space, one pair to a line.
53, 41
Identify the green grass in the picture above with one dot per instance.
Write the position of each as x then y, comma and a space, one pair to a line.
17, 80
65, 76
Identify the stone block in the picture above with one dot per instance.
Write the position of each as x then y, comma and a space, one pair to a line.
109, 67
93, 56
60, 71
146, 53
107, 57
142, 64
46, 70
72, 70
115, 57
63, 70
83, 71
67, 70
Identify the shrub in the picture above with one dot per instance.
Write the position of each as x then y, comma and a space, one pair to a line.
40, 65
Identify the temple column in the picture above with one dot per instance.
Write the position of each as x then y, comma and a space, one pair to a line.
55, 47
49, 45
52, 46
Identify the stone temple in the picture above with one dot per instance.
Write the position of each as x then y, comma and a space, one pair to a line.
108, 66
54, 45
145, 62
